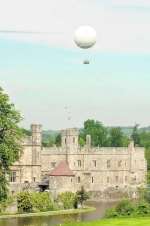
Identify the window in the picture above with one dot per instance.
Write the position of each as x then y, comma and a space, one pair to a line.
13, 176
71, 180
79, 163
119, 163
34, 179
108, 180
126, 178
74, 140
92, 180
108, 163
65, 141
94, 163
53, 164
78, 179
117, 178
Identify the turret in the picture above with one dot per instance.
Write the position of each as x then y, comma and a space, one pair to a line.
36, 134
88, 141
36, 143
69, 139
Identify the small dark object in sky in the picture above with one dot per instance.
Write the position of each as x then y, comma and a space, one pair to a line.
86, 62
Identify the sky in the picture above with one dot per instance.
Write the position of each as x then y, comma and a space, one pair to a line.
44, 74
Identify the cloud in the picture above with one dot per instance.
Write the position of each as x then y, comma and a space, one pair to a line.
117, 30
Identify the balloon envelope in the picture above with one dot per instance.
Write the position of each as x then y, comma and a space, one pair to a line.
85, 37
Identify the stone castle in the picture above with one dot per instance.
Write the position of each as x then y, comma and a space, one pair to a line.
107, 173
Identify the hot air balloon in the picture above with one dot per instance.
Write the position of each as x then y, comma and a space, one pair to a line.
85, 38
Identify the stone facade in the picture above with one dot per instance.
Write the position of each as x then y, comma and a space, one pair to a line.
104, 172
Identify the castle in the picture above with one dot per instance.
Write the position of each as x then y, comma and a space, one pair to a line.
107, 173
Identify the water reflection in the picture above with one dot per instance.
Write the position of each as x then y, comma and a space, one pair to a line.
54, 220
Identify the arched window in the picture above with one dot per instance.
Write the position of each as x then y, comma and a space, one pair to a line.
117, 178
92, 180
79, 163
78, 179
108, 179
74, 140
108, 164
119, 163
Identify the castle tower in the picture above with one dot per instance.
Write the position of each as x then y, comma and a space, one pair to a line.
69, 139
36, 151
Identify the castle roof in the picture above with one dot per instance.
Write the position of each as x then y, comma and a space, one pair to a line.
62, 170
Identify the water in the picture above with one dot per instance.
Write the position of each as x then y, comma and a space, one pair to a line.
56, 220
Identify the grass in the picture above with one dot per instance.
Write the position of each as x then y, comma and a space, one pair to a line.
48, 213
141, 221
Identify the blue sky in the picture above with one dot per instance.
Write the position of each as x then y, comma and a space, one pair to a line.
44, 74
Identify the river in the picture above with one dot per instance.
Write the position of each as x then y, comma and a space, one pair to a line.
56, 220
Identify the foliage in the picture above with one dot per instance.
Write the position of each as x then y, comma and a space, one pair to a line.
26, 132
48, 141
143, 208
102, 136
58, 140
125, 208
111, 213
42, 201
82, 196
97, 131
5, 203
24, 202
67, 199
135, 135
117, 138
10, 137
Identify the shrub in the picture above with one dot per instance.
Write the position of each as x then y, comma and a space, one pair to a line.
125, 208
5, 203
111, 213
142, 208
24, 202
67, 199
81, 196
42, 201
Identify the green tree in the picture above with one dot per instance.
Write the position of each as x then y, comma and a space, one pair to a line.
135, 135
99, 133
81, 196
117, 138
67, 199
24, 202
58, 140
10, 137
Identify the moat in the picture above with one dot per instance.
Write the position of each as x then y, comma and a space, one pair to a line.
56, 220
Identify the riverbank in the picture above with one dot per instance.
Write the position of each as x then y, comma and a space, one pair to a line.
140, 221
49, 213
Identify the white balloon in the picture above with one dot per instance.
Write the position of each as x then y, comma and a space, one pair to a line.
85, 37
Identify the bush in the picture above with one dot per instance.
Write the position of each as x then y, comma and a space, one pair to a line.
111, 213
24, 202
5, 203
142, 208
81, 196
42, 201
68, 200
125, 208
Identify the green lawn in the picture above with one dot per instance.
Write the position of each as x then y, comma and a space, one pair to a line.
145, 221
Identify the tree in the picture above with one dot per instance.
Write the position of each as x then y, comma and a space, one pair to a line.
117, 138
99, 133
24, 202
58, 140
135, 135
81, 196
10, 140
